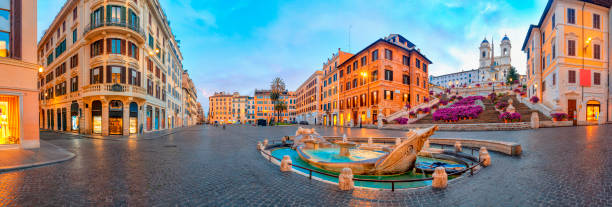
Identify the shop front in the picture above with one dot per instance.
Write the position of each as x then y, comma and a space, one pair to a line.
592, 110
10, 120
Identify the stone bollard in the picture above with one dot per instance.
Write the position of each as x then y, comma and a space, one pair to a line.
483, 155
265, 143
440, 178
458, 146
345, 180
398, 141
426, 144
286, 164
535, 120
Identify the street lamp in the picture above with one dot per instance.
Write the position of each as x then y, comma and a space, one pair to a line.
40, 69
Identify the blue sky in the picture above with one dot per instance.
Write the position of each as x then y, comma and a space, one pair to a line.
241, 45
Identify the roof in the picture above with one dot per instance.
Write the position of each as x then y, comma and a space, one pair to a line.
382, 40
505, 38
604, 3
484, 41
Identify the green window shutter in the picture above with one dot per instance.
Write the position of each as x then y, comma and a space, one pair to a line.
108, 13
123, 15
129, 21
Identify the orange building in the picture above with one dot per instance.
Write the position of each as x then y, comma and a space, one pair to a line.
264, 108
330, 89
18, 85
307, 99
382, 78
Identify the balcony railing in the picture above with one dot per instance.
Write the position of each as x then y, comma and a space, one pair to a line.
115, 87
116, 23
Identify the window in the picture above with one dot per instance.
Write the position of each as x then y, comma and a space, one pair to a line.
596, 21
115, 46
543, 85
348, 86
554, 51
424, 67
418, 63
571, 76
115, 75
552, 26
389, 75
554, 78
60, 89
96, 17
60, 48
74, 84
355, 65
133, 50
543, 37
50, 58
61, 69
406, 98
74, 35
96, 48
596, 78
406, 60
571, 47
388, 95
364, 61
348, 69
133, 20
597, 51
374, 76
388, 54
354, 83
74, 61
74, 14
374, 55
95, 75
341, 73
151, 40
406, 79
117, 14
571, 16
5, 28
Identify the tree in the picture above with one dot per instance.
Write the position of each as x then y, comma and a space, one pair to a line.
512, 76
277, 88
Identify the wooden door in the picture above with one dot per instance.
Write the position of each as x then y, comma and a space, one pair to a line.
571, 110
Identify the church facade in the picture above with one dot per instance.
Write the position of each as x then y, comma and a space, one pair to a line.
491, 68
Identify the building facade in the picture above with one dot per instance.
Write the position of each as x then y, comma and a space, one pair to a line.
382, 78
18, 86
330, 91
220, 108
491, 68
568, 59
109, 67
190, 97
264, 107
308, 99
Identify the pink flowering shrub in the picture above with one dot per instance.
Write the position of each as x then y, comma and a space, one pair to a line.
461, 109
534, 99
492, 96
426, 110
412, 114
501, 105
425, 99
559, 116
517, 90
401, 120
478, 85
511, 117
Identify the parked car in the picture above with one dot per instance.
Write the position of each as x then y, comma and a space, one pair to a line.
261, 122
303, 122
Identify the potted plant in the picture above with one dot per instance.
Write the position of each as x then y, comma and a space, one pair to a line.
478, 85
412, 115
534, 99
401, 120
425, 99
426, 110
559, 116
510, 117
492, 96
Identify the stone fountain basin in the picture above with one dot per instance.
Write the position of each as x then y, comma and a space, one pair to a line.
328, 158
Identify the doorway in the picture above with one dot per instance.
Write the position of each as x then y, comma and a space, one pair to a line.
571, 110
115, 117
592, 111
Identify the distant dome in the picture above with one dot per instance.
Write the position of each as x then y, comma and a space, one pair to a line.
484, 41
506, 38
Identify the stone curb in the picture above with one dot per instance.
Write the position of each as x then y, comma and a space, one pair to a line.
68, 155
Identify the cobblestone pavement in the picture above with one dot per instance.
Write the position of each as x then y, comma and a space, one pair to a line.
213, 167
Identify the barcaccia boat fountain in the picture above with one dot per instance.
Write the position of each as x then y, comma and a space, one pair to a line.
363, 159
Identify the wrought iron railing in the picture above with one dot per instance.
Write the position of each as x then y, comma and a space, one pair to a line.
113, 22
310, 171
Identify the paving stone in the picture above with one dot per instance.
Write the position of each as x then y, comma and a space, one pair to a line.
208, 166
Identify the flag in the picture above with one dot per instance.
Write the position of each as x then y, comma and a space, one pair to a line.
585, 77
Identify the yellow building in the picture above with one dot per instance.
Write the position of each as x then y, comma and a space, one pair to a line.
330, 93
264, 107
568, 59
225, 108
110, 67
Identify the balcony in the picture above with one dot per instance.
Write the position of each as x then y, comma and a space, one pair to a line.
115, 89
110, 24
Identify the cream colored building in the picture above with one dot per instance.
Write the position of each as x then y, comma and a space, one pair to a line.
18, 92
308, 100
110, 68
568, 60
190, 97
